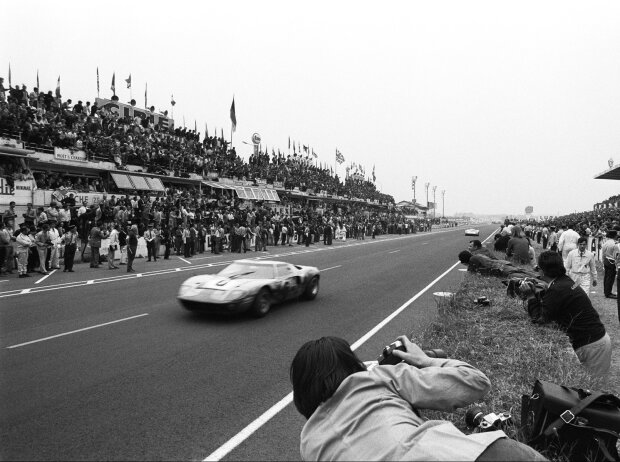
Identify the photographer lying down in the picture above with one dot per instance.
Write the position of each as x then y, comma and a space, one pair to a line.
565, 302
359, 414
478, 263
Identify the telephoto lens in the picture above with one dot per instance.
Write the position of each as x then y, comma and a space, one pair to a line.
473, 416
387, 357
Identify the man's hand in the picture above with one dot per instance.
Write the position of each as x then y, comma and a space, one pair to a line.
526, 288
413, 354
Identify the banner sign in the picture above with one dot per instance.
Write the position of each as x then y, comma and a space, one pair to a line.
70, 155
212, 176
278, 184
261, 181
127, 110
11, 143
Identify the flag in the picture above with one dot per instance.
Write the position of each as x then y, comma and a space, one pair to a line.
38, 79
9, 74
294, 152
195, 127
339, 157
146, 86
206, 131
314, 154
97, 80
233, 116
172, 101
373, 174
58, 88
289, 143
113, 87
128, 80
305, 148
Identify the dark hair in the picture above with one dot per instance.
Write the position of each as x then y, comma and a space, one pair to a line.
551, 263
318, 369
582, 239
476, 244
464, 256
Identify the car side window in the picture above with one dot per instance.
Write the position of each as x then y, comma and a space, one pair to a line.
284, 271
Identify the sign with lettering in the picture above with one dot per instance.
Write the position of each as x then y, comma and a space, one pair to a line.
127, 110
5, 188
278, 184
71, 155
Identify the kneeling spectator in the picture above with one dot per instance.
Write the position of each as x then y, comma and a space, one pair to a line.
566, 303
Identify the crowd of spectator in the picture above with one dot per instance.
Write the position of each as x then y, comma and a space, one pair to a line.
45, 120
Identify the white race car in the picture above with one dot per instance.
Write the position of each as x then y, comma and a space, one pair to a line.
249, 285
472, 232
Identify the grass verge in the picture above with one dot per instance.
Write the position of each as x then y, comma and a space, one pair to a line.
501, 341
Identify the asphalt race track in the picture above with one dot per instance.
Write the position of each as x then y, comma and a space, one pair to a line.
105, 365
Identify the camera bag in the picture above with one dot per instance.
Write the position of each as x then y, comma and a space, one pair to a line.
580, 424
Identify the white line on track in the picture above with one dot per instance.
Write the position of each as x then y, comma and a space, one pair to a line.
394, 251
75, 331
245, 433
44, 277
188, 262
6, 280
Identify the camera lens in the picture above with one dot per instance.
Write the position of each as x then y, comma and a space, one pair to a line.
473, 416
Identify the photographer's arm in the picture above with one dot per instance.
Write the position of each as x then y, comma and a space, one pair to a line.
434, 383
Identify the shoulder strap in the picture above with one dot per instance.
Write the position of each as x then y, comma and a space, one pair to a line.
569, 415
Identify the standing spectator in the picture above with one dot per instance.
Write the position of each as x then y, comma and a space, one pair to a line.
132, 247
545, 236
54, 237
553, 239
43, 243
113, 246
9, 216
5, 249
149, 237
24, 243
580, 265
94, 241
70, 241
609, 263
568, 241
30, 215
122, 242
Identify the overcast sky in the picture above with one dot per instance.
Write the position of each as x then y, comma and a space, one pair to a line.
500, 104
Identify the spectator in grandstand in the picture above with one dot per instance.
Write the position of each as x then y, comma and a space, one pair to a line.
378, 409
570, 307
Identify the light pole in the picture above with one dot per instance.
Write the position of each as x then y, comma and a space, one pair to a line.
434, 202
413, 180
443, 203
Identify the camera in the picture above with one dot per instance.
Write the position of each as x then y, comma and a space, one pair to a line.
514, 287
386, 357
482, 301
476, 419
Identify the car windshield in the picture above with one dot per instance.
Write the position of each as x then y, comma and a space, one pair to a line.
247, 271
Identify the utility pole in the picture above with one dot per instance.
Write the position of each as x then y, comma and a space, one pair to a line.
413, 180
443, 203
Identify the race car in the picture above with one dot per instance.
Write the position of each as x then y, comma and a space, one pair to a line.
249, 285
472, 232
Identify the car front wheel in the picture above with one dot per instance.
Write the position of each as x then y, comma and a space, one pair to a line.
312, 290
262, 303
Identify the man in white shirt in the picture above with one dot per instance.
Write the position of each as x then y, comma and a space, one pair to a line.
580, 265
568, 241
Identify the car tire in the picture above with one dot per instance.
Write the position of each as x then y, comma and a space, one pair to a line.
262, 303
312, 289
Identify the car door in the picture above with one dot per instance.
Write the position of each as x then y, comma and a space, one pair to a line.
287, 278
